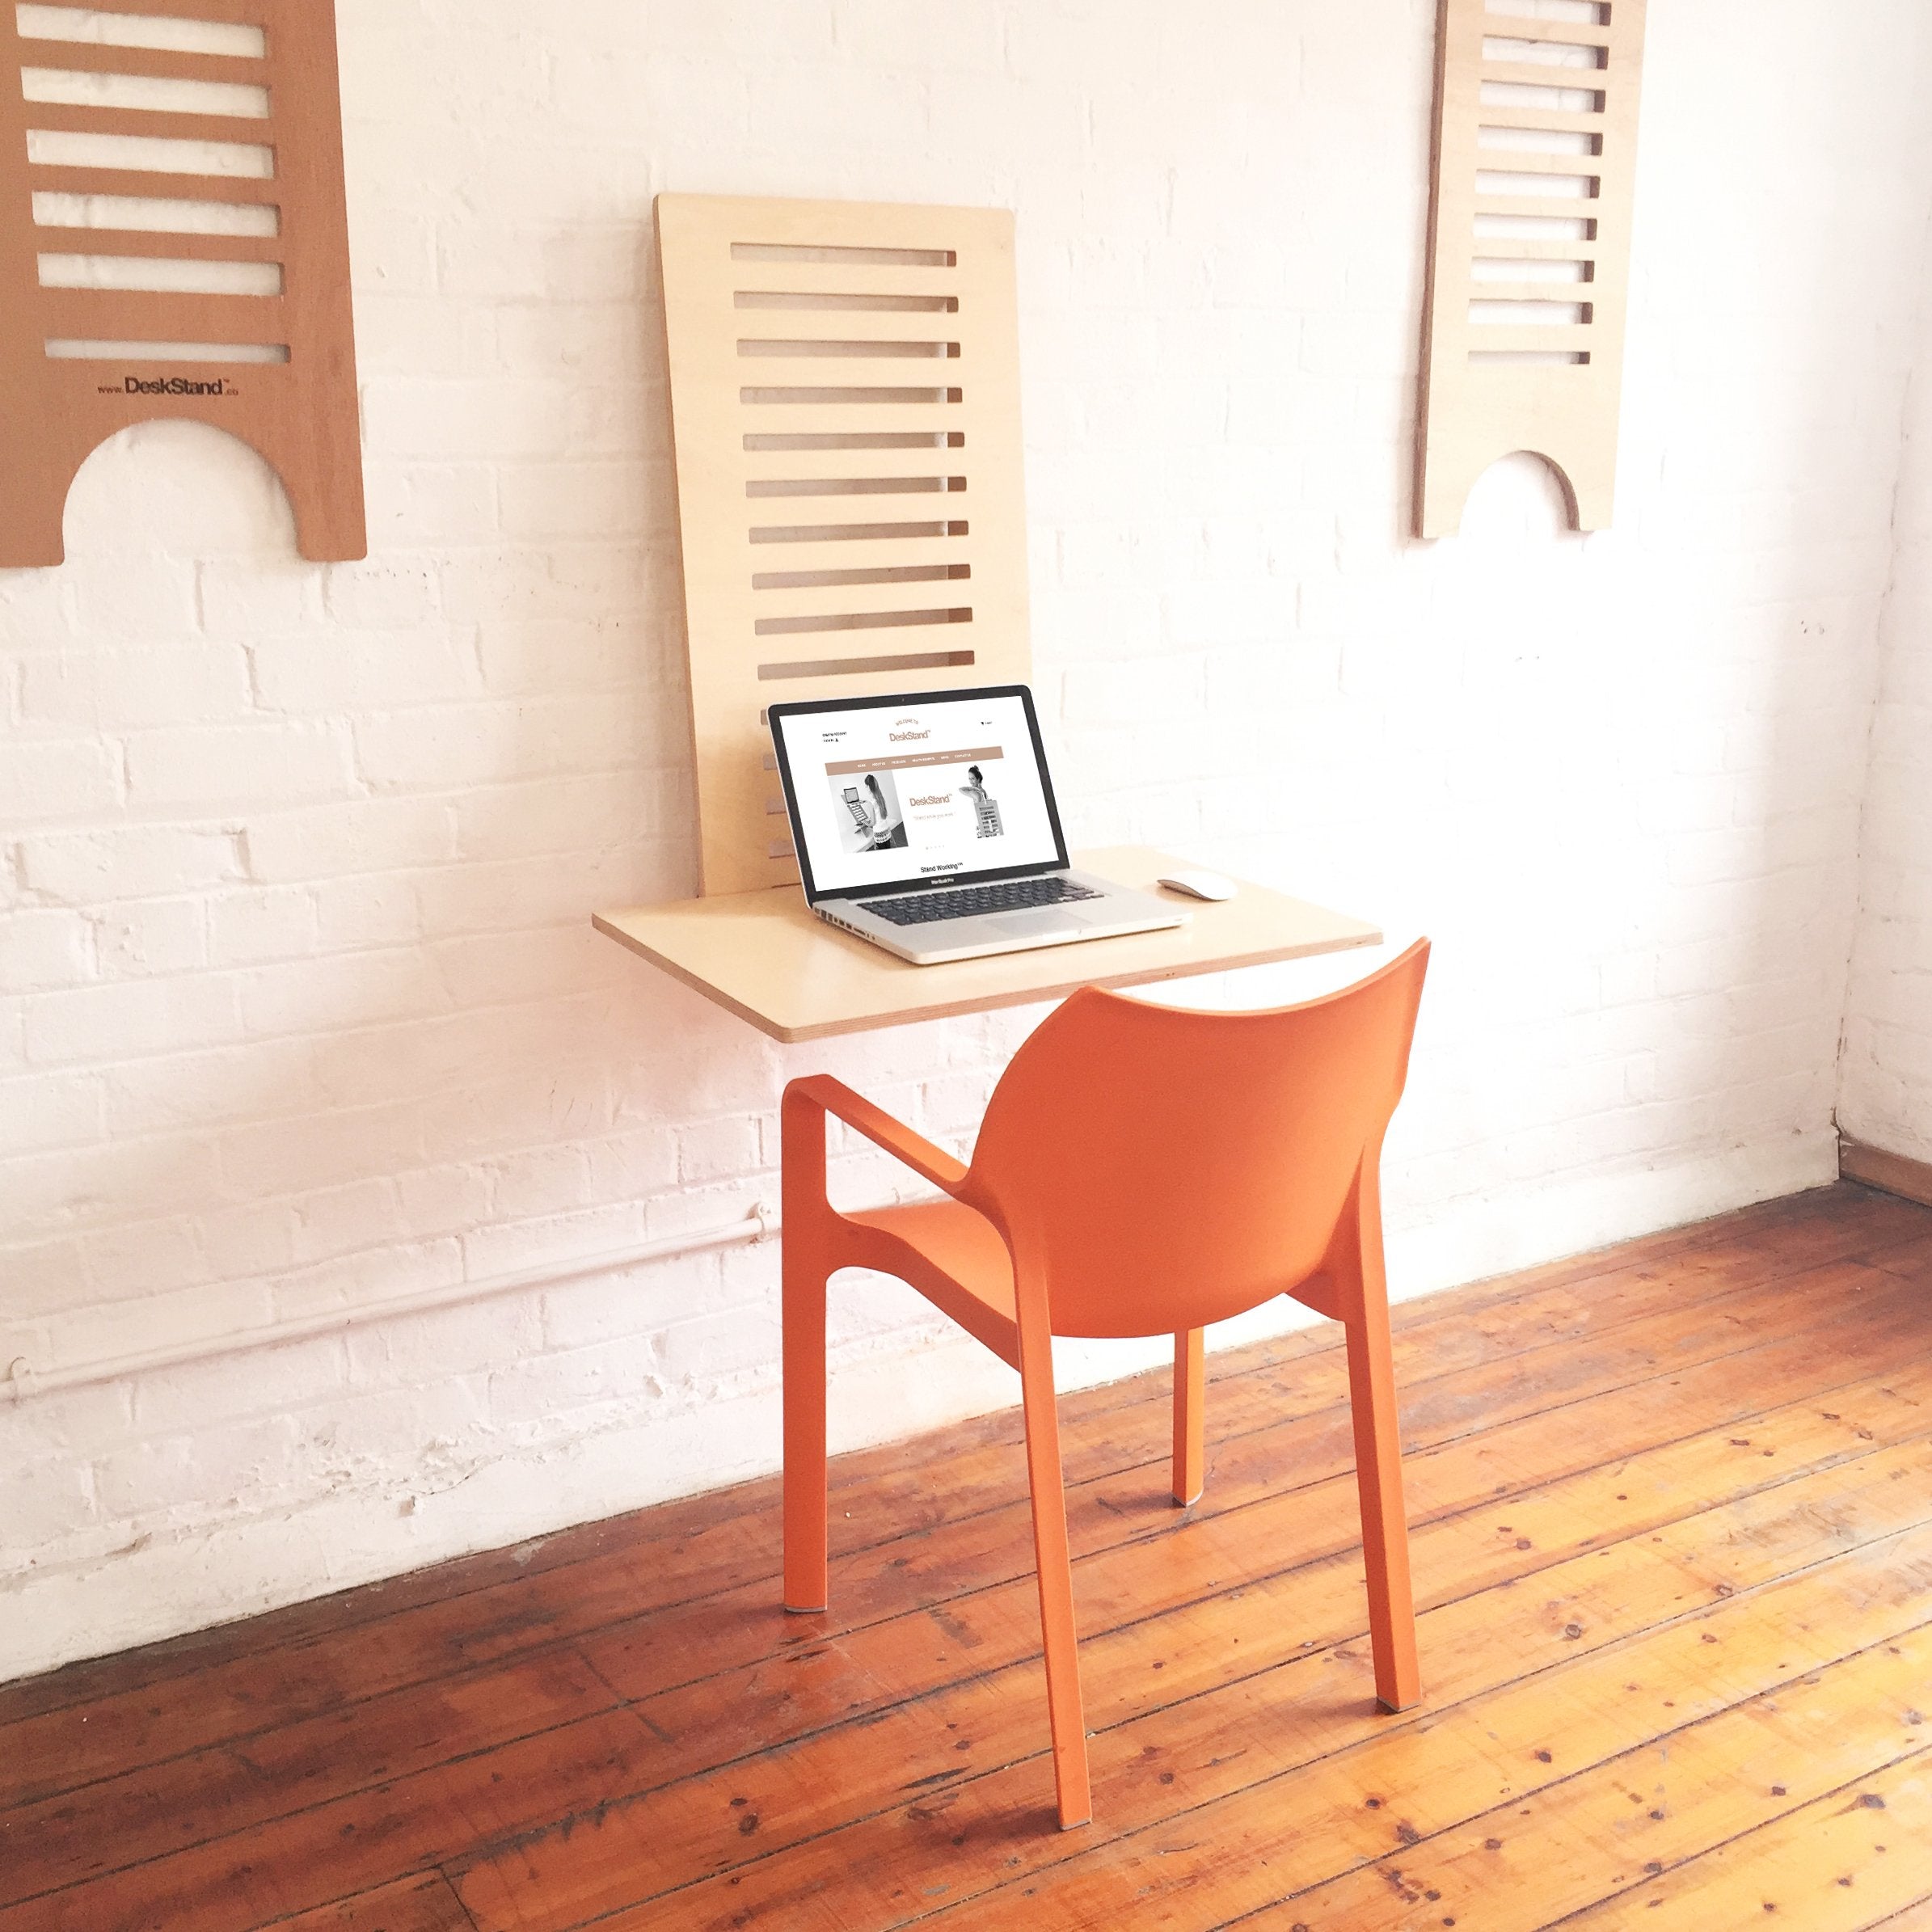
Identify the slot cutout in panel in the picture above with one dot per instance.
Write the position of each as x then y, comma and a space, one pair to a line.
1529, 358
898, 351
853, 532
143, 93
156, 215
851, 301
163, 32
866, 398
1544, 53
859, 620
1489, 226
856, 486
1537, 98
75, 349
1537, 187
160, 275
844, 258
1559, 272
832, 579
850, 284
1573, 13
1539, 140
860, 439
149, 154
859, 667
1520, 315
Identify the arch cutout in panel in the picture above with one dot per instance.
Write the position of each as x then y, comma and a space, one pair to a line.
1529, 235
1500, 495
175, 480
174, 244
845, 401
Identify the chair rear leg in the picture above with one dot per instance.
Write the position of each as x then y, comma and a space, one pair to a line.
1190, 1418
1384, 1527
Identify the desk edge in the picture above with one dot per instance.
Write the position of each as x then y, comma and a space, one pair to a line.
980, 1003
716, 995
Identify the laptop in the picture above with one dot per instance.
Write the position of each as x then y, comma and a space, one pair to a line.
927, 824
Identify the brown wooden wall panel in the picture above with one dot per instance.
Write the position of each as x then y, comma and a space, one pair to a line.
126, 355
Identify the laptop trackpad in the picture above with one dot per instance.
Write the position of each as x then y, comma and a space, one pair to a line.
1048, 922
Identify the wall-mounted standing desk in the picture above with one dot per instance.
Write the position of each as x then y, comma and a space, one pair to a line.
764, 956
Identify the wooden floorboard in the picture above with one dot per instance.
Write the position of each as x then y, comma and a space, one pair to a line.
1671, 1517
601, 1576
1828, 1225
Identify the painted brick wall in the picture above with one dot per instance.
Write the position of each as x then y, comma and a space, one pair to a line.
301, 1010
1886, 1094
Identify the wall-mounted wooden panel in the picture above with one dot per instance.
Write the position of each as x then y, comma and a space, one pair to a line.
144, 273
844, 395
1529, 238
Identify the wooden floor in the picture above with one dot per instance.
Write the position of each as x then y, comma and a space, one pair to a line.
1672, 1512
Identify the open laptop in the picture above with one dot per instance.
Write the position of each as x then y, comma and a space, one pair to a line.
927, 824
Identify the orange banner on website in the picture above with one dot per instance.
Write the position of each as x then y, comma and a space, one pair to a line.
907, 761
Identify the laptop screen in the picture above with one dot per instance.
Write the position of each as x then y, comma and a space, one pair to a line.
904, 792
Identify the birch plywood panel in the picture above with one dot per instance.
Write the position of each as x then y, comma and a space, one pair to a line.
845, 398
173, 243
1529, 232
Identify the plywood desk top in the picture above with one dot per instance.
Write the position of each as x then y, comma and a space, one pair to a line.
766, 958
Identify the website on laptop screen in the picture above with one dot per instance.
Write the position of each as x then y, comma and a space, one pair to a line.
893, 793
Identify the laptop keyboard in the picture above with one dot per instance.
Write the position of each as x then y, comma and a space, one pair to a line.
1011, 896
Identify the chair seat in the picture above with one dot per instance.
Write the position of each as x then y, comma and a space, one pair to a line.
954, 1256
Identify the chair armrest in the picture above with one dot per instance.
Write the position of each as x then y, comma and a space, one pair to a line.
913, 1151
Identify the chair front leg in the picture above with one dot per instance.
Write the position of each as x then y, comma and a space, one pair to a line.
806, 1268
1052, 1560
1378, 1477
1190, 1417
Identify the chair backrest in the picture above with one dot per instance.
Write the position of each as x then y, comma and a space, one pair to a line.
1180, 1167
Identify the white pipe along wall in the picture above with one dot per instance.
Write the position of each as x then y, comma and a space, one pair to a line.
303, 1034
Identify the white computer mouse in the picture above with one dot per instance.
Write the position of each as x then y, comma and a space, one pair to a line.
1200, 885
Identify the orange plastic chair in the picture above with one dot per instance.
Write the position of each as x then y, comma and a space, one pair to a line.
1140, 1171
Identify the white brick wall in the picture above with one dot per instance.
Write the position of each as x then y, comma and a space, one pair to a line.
299, 1011
1885, 1095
